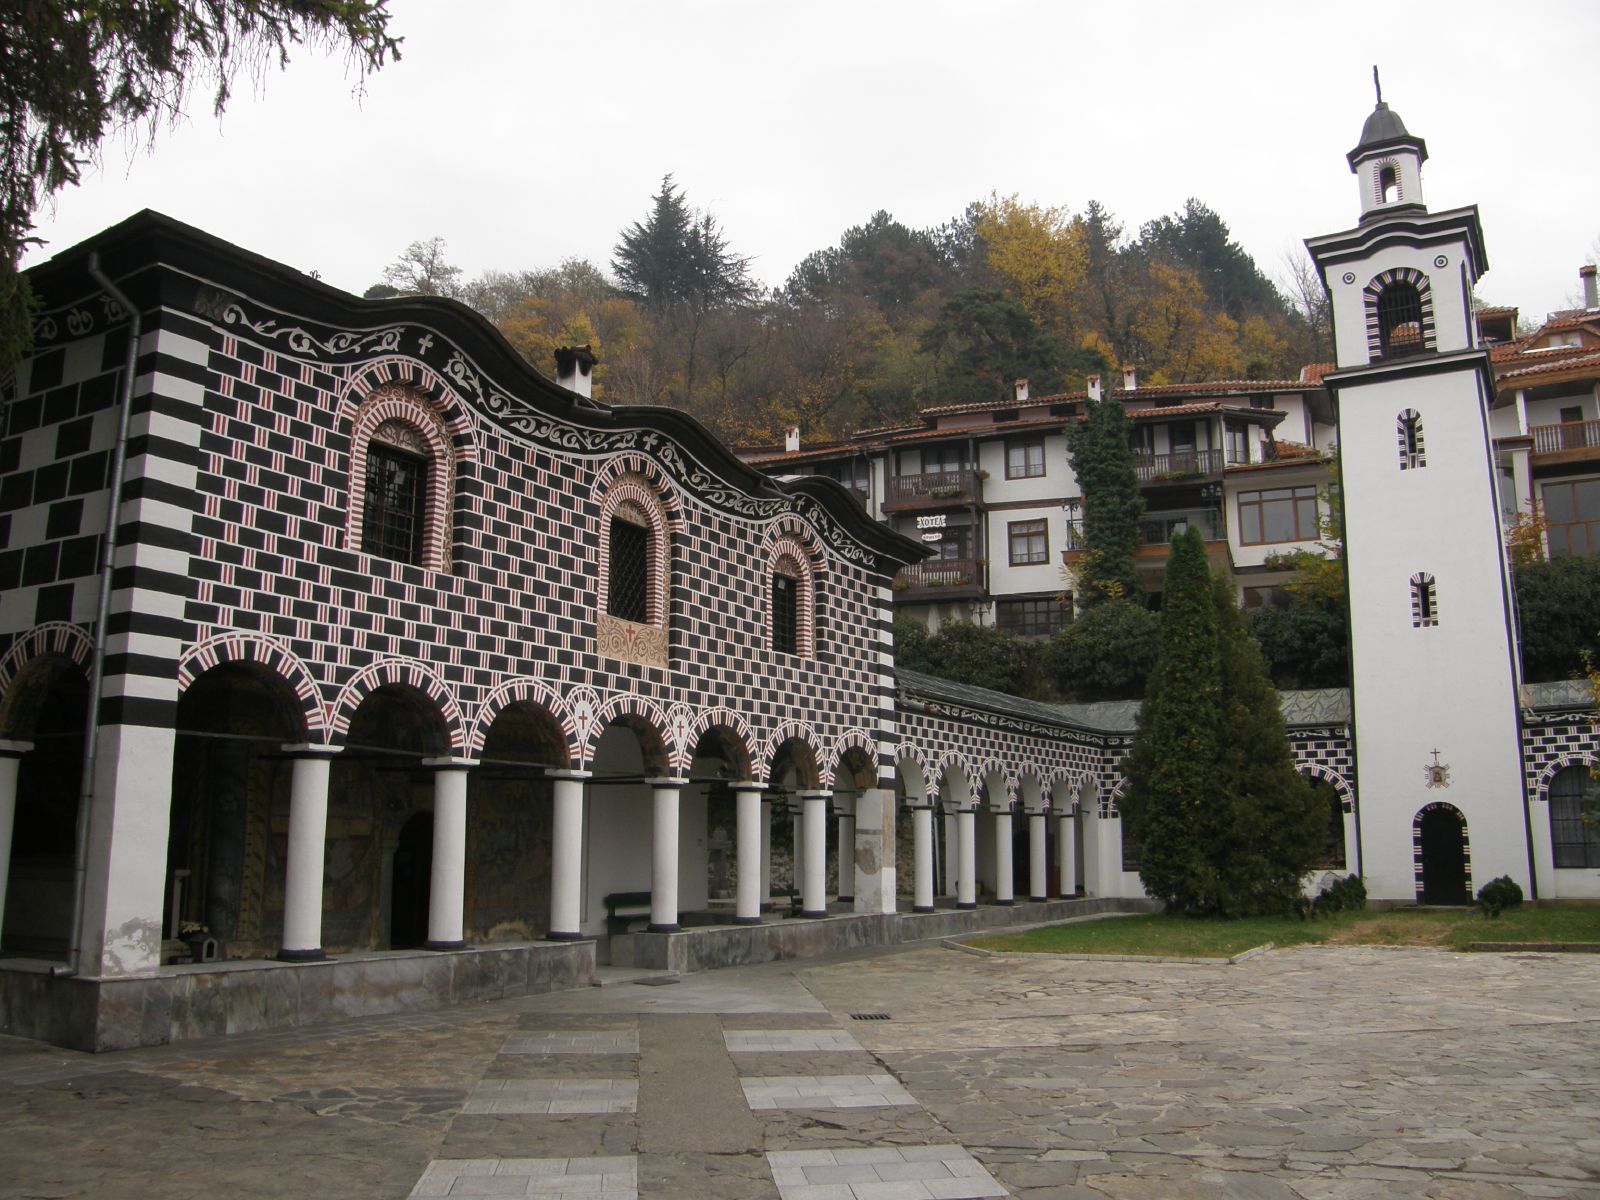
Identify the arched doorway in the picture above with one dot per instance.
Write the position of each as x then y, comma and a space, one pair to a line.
510, 825
1444, 873
378, 789
720, 760
227, 831
45, 706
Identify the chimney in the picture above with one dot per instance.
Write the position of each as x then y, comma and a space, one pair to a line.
1130, 379
1021, 390
575, 369
791, 439
1590, 298
1094, 386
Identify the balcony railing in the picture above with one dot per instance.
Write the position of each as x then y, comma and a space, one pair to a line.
1179, 466
933, 486
1158, 529
939, 573
1567, 436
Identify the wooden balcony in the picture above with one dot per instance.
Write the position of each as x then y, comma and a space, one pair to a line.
940, 578
933, 490
1571, 441
1182, 466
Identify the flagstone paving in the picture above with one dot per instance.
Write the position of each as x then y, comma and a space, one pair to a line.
1307, 1074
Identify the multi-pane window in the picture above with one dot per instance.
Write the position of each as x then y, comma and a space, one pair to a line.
954, 542
1278, 515
1237, 442
1025, 460
1029, 541
1574, 841
392, 518
785, 613
1572, 511
951, 456
628, 584
1037, 617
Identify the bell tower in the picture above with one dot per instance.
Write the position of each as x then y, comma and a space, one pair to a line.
1441, 800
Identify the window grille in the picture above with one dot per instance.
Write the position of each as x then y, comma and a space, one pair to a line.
785, 614
1035, 617
1424, 601
1408, 430
628, 592
1573, 841
392, 518
1400, 320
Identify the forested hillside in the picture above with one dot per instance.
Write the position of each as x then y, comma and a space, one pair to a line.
891, 318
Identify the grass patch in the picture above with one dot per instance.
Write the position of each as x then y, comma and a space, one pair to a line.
1188, 937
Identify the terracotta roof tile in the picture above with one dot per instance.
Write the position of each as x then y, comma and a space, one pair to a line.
1585, 360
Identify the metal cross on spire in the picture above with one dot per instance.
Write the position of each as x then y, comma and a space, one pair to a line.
1376, 86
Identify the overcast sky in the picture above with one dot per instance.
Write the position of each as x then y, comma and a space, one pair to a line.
525, 133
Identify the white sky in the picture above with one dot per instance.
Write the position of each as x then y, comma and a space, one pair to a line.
525, 133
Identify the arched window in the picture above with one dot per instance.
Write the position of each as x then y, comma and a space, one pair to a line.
791, 599
1388, 184
1408, 430
402, 477
1424, 601
632, 619
1399, 310
1573, 841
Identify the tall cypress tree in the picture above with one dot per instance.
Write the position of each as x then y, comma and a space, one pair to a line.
1274, 824
1170, 801
1112, 504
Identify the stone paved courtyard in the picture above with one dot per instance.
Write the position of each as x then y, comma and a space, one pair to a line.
1308, 1073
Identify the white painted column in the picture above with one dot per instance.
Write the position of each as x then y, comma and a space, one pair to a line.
967, 858
814, 821
447, 886
922, 857
566, 856
10, 759
1005, 888
797, 849
873, 851
766, 853
308, 840
1067, 854
847, 850
751, 860
664, 857
1038, 880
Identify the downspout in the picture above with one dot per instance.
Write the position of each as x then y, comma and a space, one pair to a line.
97, 657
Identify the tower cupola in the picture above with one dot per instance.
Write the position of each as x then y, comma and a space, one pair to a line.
1387, 162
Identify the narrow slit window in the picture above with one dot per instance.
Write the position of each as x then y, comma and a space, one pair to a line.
785, 613
1408, 430
628, 592
1424, 601
1388, 185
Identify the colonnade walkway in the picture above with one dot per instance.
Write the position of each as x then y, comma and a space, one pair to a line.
905, 1073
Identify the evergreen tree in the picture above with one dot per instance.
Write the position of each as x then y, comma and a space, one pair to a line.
679, 256
1112, 504
1171, 794
1273, 824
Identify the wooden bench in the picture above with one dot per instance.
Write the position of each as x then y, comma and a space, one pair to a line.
624, 908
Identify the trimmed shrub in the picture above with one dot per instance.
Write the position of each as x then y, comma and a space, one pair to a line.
1498, 895
1342, 895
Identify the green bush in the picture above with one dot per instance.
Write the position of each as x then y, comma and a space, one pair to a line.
1498, 895
1342, 895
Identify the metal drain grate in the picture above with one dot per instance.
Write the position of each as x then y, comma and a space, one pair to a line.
869, 1016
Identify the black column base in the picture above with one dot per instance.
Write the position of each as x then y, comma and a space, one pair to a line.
293, 956
847, 899
1005, 903
748, 921
444, 945
923, 908
1037, 899
813, 914
654, 928
556, 935
966, 905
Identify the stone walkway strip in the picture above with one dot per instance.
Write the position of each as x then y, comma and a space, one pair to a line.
783, 1041
908, 1173
825, 1091
610, 1041
614, 1178
553, 1097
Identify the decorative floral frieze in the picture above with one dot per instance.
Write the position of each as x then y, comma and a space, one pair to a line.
630, 641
